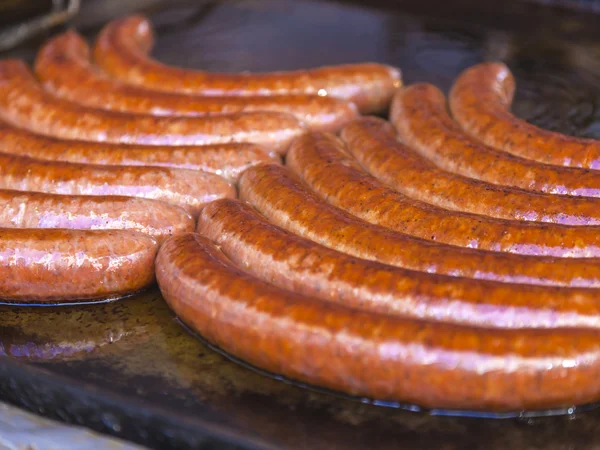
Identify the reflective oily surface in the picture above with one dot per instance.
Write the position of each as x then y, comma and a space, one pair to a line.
130, 369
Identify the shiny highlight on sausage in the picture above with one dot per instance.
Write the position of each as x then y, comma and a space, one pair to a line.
480, 102
419, 113
293, 206
44, 266
431, 364
225, 160
63, 65
122, 51
25, 104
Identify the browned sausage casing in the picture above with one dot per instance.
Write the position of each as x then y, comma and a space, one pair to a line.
122, 50
324, 164
25, 104
291, 262
480, 101
188, 189
62, 265
377, 150
430, 364
226, 160
420, 115
293, 206
63, 65
85, 212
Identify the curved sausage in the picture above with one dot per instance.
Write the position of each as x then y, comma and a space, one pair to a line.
62, 265
189, 189
122, 50
324, 164
373, 144
38, 210
302, 266
293, 206
480, 101
25, 104
226, 160
419, 114
425, 363
63, 65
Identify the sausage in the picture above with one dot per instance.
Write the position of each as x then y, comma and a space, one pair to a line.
186, 188
480, 102
291, 262
226, 160
420, 116
122, 50
63, 65
83, 212
293, 206
370, 355
25, 104
375, 147
324, 164
41, 266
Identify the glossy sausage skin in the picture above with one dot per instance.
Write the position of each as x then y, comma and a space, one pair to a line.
225, 160
63, 65
83, 212
324, 164
188, 189
25, 104
480, 102
62, 265
426, 363
375, 147
291, 262
294, 206
122, 50
419, 114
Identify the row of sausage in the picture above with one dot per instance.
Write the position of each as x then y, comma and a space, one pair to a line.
77, 142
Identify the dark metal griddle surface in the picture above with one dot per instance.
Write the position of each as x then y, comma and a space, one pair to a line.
129, 368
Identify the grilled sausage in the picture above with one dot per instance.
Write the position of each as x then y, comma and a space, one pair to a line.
122, 50
38, 210
25, 104
226, 160
480, 101
324, 164
186, 188
40, 266
420, 116
374, 146
293, 206
291, 262
426, 363
64, 67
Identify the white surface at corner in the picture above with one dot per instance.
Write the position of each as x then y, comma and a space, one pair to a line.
21, 430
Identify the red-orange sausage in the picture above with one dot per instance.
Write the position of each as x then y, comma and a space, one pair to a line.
122, 50
40, 266
425, 363
287, 202
326, 167
188, 189
419, 114
25, 104
377, 150
226, 160
39, 210
302, 266
480, 101
63, 65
